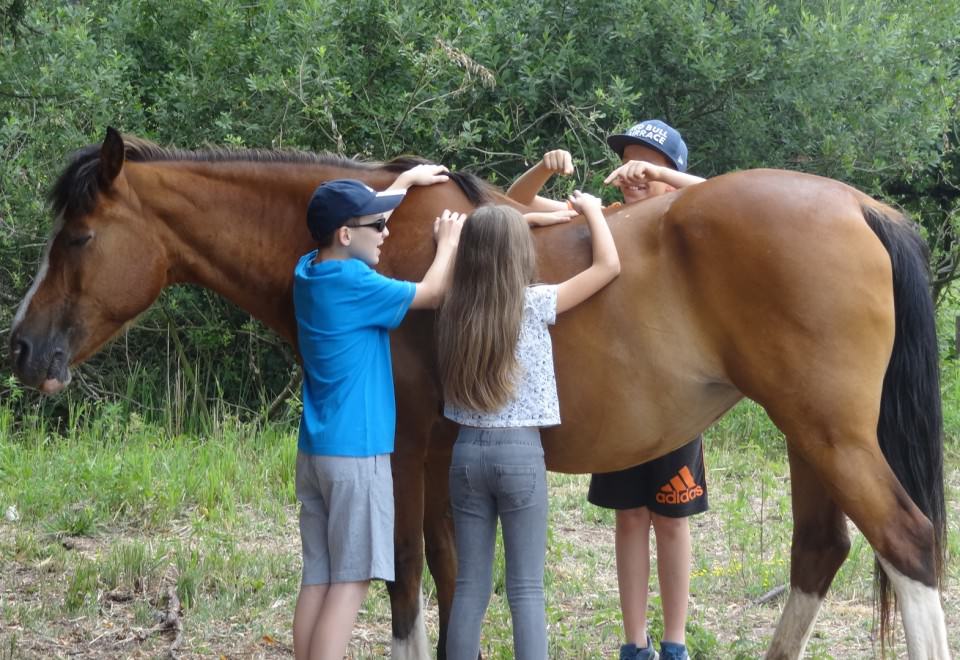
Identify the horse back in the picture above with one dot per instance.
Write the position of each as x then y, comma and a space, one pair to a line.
780, 270
762, 283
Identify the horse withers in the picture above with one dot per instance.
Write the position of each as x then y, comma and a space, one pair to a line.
796, 291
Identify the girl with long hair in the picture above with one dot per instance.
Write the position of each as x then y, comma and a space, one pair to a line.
496, 364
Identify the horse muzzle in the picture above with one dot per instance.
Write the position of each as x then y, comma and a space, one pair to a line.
43, 365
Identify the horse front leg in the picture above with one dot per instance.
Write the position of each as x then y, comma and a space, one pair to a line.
406, 599
438, 526
820, 545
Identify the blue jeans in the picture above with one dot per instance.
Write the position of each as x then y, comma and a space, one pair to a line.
499, 473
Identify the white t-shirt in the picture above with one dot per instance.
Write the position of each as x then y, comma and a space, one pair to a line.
535, 401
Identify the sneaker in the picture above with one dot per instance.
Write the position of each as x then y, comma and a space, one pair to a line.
628, 652
648, 652
631, 652
671, 651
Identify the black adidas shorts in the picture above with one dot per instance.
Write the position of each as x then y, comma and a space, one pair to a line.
674, 485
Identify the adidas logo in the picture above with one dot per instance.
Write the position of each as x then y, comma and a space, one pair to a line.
681, 489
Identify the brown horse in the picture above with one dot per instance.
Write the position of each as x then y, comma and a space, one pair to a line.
796, 291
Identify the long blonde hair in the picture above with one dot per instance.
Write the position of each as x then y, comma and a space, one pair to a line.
479, 322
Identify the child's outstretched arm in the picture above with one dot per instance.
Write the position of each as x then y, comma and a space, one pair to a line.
526, 188
420, 175
431, 289
606, 260
635, 172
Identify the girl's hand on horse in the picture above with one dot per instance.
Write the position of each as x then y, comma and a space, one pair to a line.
446, 228
635, 172
545, 218
421, 175
558, 161
583, 203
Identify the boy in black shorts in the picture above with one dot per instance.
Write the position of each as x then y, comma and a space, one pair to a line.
663, 492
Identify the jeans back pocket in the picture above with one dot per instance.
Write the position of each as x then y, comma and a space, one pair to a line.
460, 490
516, 485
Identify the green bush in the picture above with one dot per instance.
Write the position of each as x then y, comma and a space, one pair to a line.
860, 91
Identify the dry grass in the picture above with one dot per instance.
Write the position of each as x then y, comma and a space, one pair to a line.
725, 617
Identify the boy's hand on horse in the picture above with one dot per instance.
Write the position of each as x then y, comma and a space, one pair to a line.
421, 175
635, 172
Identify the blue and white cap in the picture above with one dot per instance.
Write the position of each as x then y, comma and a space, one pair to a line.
657, 135
335, 202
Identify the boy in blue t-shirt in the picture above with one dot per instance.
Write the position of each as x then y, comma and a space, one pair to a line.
344, 311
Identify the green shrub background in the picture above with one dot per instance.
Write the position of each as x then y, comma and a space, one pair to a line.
862, 91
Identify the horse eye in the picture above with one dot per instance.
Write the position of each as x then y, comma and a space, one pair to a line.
79, 241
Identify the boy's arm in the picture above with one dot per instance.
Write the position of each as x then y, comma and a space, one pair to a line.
431, 289
640, 171
524, 190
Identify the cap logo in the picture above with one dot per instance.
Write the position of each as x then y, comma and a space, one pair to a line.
649, 132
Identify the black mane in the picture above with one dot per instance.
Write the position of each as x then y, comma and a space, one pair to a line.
75, 191
476, 189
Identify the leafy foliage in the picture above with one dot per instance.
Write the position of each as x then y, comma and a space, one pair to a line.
863, 91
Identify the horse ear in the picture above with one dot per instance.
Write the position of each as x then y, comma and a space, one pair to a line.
111, 157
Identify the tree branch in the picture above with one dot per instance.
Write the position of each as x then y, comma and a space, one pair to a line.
277, 403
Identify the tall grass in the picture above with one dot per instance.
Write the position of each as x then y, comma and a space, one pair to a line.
105, 465
105, 507
104, 500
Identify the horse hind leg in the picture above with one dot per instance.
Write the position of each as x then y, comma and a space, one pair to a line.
922, 614
854, 474
820, 545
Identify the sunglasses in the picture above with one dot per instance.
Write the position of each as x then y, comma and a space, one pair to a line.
377, 225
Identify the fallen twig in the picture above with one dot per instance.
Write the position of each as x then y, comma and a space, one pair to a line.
773, 594
119, 596
171, 620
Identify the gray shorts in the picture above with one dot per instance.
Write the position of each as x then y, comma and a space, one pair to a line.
346, 518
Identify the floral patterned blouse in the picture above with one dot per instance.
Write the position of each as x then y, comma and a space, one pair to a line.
535, 402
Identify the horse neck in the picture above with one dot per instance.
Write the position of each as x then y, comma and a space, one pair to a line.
237, 227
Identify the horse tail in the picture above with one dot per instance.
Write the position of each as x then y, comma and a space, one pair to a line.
910, 430
478, 191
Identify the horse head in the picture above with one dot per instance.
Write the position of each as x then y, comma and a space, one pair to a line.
102, 266
133, 217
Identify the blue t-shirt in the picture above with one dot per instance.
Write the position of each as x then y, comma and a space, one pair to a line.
344, 309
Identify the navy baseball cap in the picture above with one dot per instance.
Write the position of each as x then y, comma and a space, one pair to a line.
657, 135
333, 203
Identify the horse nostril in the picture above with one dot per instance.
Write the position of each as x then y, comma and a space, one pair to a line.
21, 351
